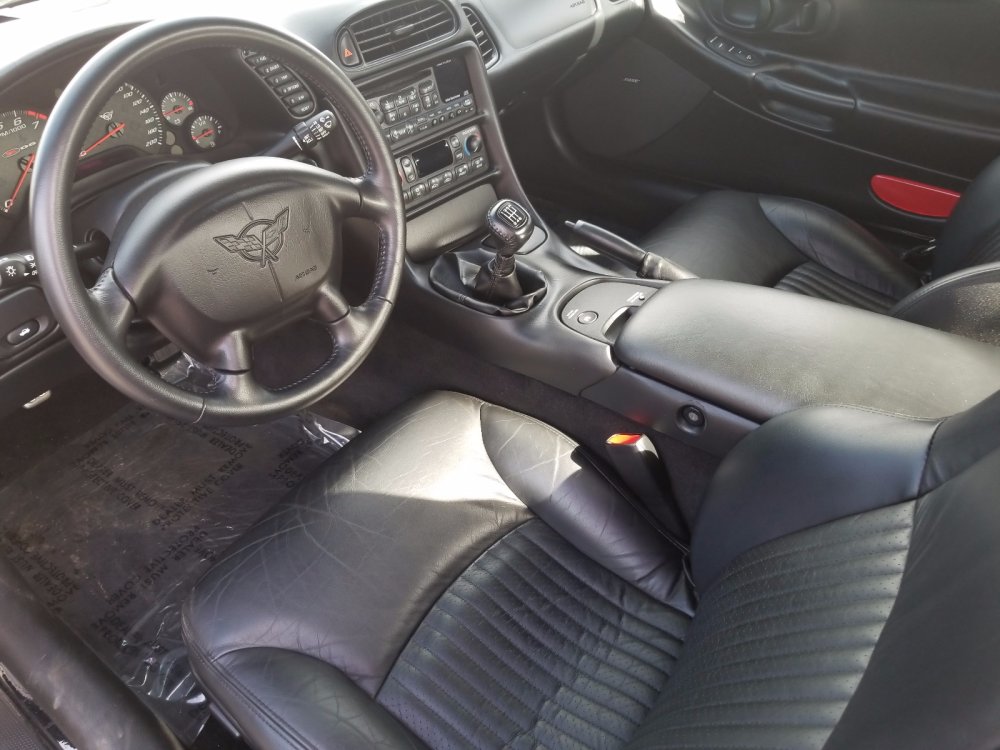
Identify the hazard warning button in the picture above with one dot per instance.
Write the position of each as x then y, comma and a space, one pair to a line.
348, 52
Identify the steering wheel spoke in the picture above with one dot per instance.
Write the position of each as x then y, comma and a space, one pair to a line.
114, 310
331, 305
238, 389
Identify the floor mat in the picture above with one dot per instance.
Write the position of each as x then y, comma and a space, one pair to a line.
114, 528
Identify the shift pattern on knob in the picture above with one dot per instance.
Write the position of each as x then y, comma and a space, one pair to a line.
511, 225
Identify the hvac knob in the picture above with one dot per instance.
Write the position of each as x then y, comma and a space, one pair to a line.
473, 144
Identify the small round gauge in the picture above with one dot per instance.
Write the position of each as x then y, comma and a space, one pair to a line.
177, 107
128, 118
20, 130
206, 131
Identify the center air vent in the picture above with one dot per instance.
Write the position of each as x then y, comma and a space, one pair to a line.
487, 48
394, 27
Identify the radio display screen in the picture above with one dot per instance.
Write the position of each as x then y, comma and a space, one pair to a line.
452, 80
432, 158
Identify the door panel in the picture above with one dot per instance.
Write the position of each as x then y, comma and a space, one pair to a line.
815, 97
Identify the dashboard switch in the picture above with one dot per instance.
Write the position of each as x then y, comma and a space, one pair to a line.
24, 332
348, 52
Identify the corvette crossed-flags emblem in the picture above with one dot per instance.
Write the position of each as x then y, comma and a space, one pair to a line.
260, 241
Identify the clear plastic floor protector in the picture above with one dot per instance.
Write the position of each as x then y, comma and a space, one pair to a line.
115, 527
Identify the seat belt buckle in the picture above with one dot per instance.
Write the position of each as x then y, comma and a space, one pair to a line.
638, 463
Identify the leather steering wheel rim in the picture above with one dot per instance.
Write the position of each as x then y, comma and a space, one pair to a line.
96, 319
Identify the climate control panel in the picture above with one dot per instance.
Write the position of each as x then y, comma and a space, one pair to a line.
458, 158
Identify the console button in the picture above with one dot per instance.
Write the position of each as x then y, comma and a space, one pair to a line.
391, 117
303, 109
462, 170
298, 98
479, 162
434, 183
255, 59
426, 86
411, 94
447, 177
586, 318
455, 141
388, 104
270, 68
279, 79
24, 332
419, 190
292, 87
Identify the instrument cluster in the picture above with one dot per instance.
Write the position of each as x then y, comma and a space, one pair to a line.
134, 121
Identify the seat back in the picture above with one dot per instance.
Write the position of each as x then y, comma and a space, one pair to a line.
972, 235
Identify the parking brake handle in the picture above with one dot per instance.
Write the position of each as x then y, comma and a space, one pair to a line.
646, 265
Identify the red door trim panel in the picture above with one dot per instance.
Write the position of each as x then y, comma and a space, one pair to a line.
913, 197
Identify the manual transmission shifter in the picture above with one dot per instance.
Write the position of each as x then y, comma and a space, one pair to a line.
511, 226
489, 279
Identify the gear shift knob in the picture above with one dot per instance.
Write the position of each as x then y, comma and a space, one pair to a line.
511, 226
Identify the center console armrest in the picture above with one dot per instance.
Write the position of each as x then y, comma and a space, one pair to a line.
759, 352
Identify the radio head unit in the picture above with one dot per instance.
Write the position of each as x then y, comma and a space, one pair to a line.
439, 95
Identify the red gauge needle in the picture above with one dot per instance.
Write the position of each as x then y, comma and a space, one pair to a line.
20, 183
174, 111
202, 134
114, 131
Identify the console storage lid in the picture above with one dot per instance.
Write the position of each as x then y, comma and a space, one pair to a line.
759, 352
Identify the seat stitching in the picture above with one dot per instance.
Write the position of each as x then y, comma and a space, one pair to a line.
615, 645
739, 566
811, 567
560, 657
604, 596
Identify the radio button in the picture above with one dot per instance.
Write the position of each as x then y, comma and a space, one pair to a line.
426, 86
411, 94
400, 100
387, 104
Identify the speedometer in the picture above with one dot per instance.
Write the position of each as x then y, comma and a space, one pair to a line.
128, 119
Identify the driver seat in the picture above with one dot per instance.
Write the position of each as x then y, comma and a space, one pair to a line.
462, 576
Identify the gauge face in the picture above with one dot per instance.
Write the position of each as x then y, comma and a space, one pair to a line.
20, 130
206, 131
177, 107
129, 118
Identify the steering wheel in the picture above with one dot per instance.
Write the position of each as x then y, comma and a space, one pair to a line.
224, 254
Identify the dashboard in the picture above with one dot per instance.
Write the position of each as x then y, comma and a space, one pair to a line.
438, 96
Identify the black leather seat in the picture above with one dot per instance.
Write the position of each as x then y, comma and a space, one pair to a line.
803, 247
464, 577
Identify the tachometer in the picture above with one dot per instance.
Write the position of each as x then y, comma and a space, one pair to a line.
176, 107
128, 119
20, 130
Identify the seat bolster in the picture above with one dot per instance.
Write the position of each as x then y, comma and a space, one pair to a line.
804, 469
290, 700
558, 482
836, 242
